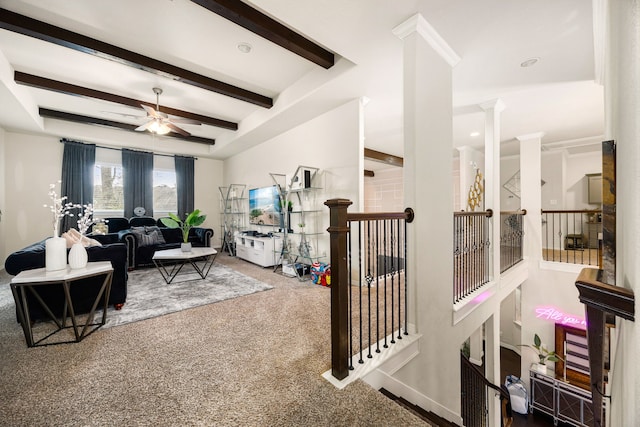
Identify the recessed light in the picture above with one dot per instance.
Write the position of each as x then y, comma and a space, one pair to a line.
529, 62
244, 47
474, 134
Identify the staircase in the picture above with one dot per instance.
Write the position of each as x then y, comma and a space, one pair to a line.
428, 417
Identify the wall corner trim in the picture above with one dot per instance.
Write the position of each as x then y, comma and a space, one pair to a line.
418, 24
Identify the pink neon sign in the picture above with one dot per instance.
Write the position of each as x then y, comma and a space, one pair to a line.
551, 313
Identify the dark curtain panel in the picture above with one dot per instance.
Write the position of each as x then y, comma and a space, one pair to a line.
78, 161
137, 181
184, 184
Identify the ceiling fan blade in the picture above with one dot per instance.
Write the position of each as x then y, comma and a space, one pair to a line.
133, 116
177, 129
144, 126
184, 121
150, 111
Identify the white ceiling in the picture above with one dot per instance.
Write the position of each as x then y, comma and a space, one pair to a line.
557, 96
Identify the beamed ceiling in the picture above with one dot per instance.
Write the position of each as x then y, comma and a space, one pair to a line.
67, 65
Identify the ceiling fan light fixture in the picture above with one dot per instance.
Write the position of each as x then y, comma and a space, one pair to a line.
159, 128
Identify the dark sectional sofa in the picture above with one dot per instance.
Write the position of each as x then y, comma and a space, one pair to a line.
127, 244
141, 235
83, 292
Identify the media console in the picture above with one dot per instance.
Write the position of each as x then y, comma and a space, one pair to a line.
264, 251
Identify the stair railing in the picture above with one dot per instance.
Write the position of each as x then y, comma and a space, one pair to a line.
511, 238
368, 283
572, 236
471, 252
475, 390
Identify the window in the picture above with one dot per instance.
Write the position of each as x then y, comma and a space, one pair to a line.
165, 197
108, 195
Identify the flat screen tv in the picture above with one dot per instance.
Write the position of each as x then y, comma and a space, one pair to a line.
264, 206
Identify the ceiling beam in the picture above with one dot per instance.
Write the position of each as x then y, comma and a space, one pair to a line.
379, 156
257, 22
69, 89
77, 118
41, 30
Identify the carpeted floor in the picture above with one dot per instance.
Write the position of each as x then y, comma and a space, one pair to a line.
254, 360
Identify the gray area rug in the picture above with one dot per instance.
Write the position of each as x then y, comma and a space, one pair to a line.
148, 295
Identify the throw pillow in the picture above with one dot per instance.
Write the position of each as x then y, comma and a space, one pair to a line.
148, 236
155, 230
140, 235
73, 236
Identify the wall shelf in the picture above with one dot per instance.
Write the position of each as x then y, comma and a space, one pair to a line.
233, 209
299, 244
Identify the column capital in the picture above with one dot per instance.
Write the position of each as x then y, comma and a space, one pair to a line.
495, 104
417, 24
530, 136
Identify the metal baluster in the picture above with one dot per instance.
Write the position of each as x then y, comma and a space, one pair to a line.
393, 275
349, 269
377, 227
385, 282
360, 284
369, 280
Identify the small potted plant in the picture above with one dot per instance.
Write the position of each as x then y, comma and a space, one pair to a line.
544, 355
194, 219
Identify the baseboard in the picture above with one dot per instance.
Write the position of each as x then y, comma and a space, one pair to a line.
511, 347
393, 358
379, 379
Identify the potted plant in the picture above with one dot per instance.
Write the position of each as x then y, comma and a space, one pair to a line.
544, 355
194, 219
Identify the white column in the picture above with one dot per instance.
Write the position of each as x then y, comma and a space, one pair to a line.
622, 109
492, 110
475, 347
492, 359
531, 193
428, 134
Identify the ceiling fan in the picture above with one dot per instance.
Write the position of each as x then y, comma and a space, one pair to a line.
160, 123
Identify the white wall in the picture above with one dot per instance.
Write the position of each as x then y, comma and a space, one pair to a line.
330, 142
207, 178
384, 191
508, 167
3, 204
550, 289
578, 165
621, 119
32, 162
510, 331
553, 173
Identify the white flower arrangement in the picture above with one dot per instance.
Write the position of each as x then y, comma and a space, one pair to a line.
86, 219
59, 208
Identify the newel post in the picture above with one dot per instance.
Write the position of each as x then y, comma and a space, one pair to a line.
339, 287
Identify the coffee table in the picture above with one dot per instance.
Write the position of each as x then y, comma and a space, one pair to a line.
169, 262
31, 280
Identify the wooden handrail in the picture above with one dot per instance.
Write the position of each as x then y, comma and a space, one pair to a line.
611, 299
485, 381
408, 215
488, 213
586, 211
599, 299
519, 212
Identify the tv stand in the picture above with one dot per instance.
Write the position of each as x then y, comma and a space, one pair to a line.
258, 250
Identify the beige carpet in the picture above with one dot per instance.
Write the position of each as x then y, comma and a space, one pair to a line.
249, 361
